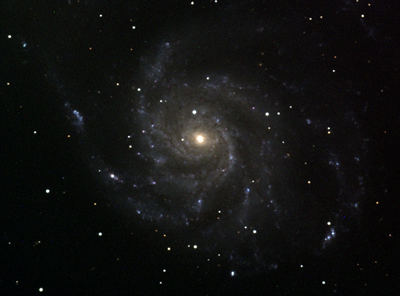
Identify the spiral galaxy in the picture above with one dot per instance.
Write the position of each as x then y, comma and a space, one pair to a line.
201, 138
232, 134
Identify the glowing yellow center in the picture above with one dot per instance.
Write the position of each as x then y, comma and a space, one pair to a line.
200, 139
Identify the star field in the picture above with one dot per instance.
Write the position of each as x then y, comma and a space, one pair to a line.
200, 147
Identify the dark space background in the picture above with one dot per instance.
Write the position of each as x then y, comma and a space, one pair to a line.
50, 242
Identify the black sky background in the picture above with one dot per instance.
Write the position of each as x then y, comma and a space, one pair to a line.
71, 256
